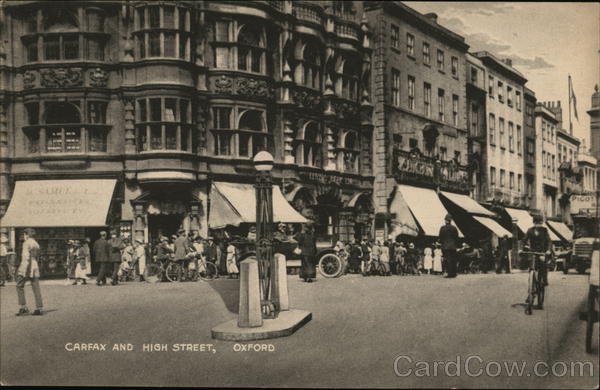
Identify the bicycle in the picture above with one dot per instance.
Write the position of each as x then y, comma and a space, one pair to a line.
535, 287
206, 270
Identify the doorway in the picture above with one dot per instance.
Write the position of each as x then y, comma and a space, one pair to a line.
163, 225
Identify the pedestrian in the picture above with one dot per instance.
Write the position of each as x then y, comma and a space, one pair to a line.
428, 260
140, 259
355, 256
71, 262
392, 247
4, 272
116, 247
181, 249
365, 252
308, 247
198, 248
28, 269
401, 258
503, 262
438, 268
80, 263
232, 268
384, 258
412, 259
448, 237
85, 246
101, 251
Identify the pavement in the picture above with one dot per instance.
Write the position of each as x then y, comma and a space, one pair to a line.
399, 332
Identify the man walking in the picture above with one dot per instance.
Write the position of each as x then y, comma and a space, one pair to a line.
29, 270
449, 241
101, 252
307, 243
116, 247
181, 246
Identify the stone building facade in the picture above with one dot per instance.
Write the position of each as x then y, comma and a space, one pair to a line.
546, 126
167, 98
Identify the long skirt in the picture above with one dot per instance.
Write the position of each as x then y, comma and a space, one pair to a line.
232, 267
80, 273
437, 264
308, 270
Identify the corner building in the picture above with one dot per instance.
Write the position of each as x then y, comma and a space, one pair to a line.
162, 100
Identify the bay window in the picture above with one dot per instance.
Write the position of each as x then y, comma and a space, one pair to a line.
162, 31
164, 124
245, 139
240, 46
308, 70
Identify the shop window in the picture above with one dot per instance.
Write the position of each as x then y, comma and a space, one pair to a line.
162, 31
307, 150
166, 123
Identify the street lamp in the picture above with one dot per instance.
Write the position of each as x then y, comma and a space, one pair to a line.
263, 163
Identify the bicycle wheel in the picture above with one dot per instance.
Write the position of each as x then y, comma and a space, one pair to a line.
541, 292
155, 273
210, 272
172, 272
530, 293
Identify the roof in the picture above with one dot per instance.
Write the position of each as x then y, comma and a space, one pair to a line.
492, 61
563, 133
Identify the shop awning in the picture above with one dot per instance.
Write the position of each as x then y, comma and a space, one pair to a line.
233, 203
404, 222
60, 203
467, 204
561, 229
426, 208
553, 236
524, 219
494, 226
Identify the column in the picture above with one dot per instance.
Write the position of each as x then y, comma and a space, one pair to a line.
139, 220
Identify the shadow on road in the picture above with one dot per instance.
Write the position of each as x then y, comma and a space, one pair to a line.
229, 291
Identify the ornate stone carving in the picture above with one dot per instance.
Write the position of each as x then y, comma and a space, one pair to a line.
307, 100
346, 110
28, 79
223, 84
252, 87
61, 77
98, 78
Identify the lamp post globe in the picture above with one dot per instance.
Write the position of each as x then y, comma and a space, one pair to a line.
263, 161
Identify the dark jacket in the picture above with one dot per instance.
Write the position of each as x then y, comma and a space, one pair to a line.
538, 239
163, 252
116, 246
101, 251
307, 244
181, 247
448, 237
210, 251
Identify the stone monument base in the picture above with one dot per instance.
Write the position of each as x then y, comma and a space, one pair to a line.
286, 323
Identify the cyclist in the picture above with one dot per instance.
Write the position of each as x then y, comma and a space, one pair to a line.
538, 240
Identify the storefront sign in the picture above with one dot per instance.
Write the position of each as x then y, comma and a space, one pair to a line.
324, 178
586, 203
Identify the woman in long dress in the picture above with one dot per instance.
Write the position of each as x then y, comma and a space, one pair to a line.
80, 263
232, 268
428, 260
437, 260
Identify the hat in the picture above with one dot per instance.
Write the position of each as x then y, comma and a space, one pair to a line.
164, 238
411, 245
198, 238
538, 218
139, 240
103, 233
448, 217
70, 242
180, 231
174, 236
30, 232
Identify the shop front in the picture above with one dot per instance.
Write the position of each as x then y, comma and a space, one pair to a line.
60, 210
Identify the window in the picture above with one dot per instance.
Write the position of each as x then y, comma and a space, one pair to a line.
410, 44
395, 88
529, 114
348, 156
500, 91
501, 132
440, 60
474, 120
509, 95
221, 117
346, 79
491, 87
250, 49
248, 46
395, 36
502, 177
492, 177
544, 164
427, 99
473, 75
411, 92
511, 181
67, 127
441, 108
519, 182
162, 31
413, 143
164, 124
457, 156
511, 137
455, 110
443, 153
454, 64
426, 54
246, 140
519, 140
543, 130
553, 167
308, 70
518, 100
307, 147
492, 129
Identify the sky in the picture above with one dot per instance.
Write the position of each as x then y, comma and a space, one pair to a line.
546, 41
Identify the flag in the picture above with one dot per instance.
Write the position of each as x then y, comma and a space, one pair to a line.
573, 98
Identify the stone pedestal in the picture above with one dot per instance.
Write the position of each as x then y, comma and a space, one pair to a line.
280, 290
249, 315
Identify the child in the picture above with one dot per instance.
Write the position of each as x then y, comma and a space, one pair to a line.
80, 263
437, 259
428, 260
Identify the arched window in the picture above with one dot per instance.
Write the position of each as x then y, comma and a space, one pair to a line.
250, 49
239, 46
347, 74
252, 136
308, 145
308, 69
348, 152
57, 33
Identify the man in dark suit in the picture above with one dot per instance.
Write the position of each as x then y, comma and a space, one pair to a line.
101, 252
181, 249
538, 240
308, 246
449, 240
116, 247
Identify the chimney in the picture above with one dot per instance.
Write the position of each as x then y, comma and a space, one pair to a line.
432, 16
508, 61
558, 102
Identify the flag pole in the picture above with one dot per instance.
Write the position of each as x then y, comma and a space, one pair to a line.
570, 122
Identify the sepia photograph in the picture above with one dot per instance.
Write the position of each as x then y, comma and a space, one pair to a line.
299, 194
